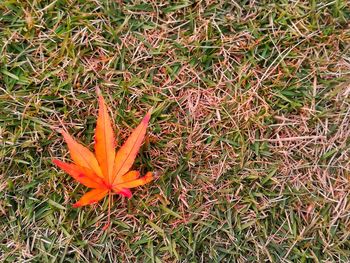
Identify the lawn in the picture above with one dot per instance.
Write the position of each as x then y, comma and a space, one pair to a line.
249, 137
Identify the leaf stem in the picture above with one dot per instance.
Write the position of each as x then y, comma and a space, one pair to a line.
109, 210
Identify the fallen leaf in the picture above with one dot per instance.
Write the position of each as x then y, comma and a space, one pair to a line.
106, 172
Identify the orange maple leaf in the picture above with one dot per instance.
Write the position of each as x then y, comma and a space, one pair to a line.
105, 171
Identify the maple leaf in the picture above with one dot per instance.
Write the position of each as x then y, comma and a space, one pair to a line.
106, 171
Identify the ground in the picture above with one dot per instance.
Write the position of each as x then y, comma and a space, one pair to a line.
249, 137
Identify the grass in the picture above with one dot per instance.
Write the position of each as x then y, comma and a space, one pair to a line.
249, 136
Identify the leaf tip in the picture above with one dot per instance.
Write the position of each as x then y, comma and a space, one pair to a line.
147, 117
147, 178
98, 91
76, 205
125, 192
64, 133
